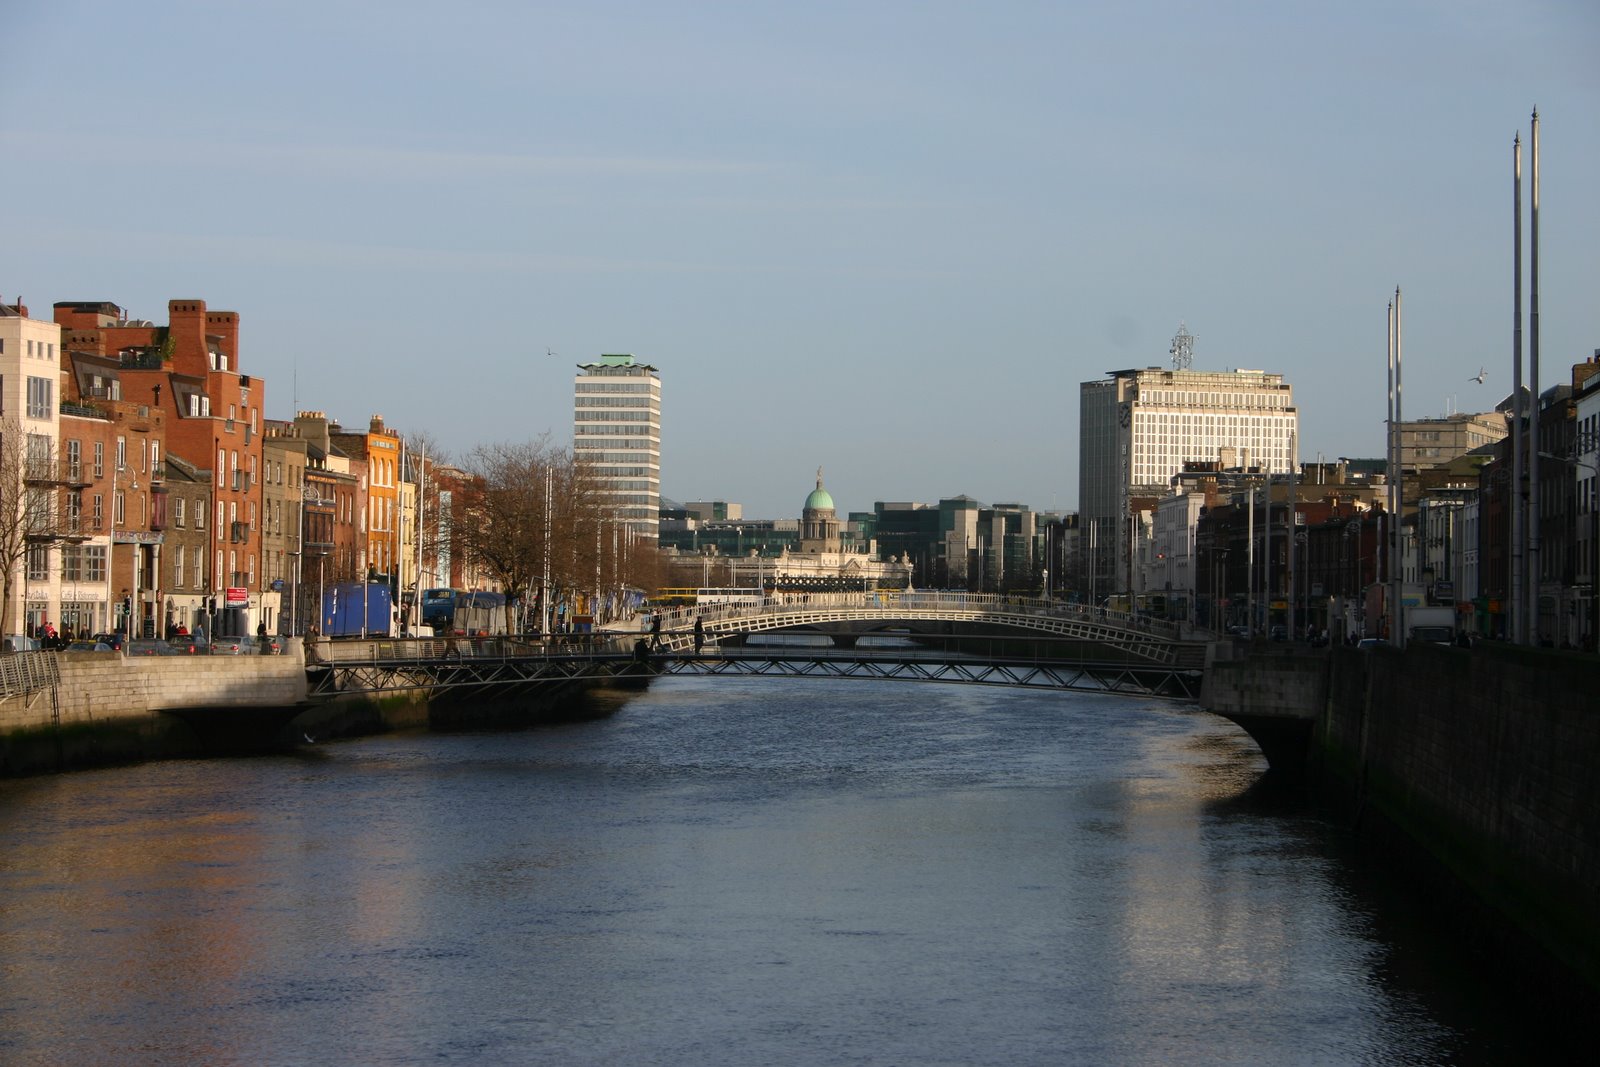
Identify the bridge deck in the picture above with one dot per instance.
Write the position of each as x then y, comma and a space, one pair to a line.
502, 667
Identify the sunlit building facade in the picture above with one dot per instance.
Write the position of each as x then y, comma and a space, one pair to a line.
1138, 427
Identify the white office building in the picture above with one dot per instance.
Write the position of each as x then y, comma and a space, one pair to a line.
616, 428
1138, 427
30, 381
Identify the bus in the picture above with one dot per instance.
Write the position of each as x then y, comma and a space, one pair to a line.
439, 609
740, 595
673, 598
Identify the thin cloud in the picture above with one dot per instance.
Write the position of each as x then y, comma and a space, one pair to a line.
373, 162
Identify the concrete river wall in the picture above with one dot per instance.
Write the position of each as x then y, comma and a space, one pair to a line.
1480, 765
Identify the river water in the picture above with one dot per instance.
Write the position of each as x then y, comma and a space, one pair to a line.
744, 871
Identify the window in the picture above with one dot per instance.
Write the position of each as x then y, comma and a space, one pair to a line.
75, 459
177, 568
83, 563
118, 512
38, 563
99, 513
99, 459
41, 397
177, 514
199, 568
199, 515
122, 453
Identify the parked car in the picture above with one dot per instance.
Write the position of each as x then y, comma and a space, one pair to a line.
1367, 644
189, 644
18, 643
147, 647
114, 640
88, 646
247, 645
1279, 632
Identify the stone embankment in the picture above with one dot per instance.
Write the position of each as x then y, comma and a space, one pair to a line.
106, 708
1476, 765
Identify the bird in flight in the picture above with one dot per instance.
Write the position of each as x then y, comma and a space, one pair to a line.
1480, 376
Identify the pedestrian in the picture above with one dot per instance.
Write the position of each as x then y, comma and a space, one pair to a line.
655, 631
699, 634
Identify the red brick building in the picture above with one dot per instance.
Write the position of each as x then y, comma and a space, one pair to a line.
190, 371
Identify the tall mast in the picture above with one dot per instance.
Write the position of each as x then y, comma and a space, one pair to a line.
1534, 546
1514, 491
1397, 569
1391, 466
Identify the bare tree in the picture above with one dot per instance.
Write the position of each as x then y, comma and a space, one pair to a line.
29, 502
500, 525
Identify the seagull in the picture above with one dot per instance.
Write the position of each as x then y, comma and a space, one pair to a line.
1480, 376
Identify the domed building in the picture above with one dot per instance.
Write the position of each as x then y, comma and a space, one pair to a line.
819, 523
820, 560
821, 557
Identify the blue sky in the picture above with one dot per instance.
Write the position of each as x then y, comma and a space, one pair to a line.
888, 239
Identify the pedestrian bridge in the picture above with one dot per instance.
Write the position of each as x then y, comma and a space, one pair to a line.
935, 637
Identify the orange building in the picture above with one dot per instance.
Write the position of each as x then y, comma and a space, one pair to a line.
375, 458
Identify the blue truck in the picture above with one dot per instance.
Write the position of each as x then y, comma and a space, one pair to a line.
357, 609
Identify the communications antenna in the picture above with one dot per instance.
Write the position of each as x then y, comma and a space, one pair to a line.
1182, 348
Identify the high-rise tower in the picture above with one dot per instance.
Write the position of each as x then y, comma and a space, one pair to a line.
1138, 427
616, 429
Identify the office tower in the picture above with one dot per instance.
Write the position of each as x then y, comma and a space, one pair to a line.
1138, 427
616, 429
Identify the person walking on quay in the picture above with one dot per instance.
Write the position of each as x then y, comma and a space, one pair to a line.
655, 631
699, 634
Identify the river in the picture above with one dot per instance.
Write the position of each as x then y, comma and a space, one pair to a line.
726, 871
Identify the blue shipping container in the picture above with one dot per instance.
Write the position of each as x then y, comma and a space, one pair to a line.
357, 609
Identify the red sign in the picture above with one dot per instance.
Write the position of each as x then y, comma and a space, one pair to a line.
238, 595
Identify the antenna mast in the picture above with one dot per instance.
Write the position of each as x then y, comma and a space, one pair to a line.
1182, 348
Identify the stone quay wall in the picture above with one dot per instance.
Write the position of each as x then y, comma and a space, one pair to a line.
1474, 769
1489, 759
107, 709
97, 686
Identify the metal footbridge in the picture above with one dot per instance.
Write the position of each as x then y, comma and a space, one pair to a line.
924, 637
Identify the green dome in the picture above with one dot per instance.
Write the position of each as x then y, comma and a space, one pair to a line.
820, 501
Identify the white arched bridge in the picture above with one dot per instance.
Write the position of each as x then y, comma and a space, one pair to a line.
922, 636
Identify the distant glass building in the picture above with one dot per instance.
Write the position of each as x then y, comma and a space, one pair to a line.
616, 428
1138, 427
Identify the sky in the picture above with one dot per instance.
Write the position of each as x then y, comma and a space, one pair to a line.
888, 239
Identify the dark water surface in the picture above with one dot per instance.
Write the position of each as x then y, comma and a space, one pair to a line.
722, 872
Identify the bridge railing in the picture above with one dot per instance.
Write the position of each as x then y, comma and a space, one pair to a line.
922, 601
399, 650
